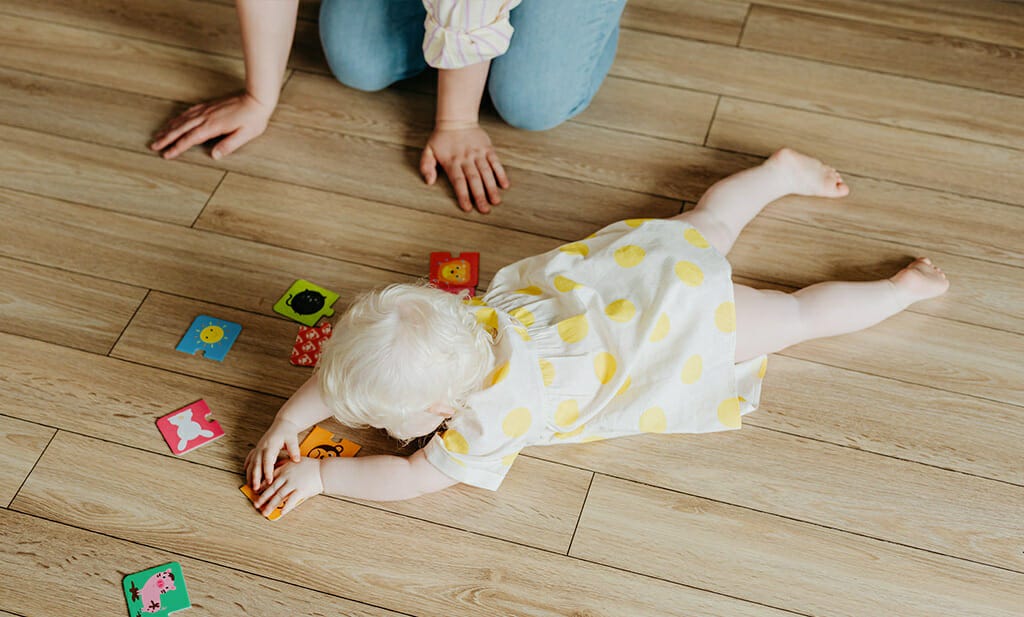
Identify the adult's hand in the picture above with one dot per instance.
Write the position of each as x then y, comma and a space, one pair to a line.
472, 166
239, 118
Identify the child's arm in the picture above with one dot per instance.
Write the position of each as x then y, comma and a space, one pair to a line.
375, 478
304, 409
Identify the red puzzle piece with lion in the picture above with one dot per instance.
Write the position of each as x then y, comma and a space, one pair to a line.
453, 274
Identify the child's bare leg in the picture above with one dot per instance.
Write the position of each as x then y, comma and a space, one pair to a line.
769, 321
726, 208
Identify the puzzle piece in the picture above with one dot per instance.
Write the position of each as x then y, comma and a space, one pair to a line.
188, 428
157, 591
453, 274
309, 343
306, 303
214, 337
319, 443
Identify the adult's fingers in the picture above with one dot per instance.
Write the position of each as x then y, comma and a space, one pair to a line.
428, 165
476, 186
173, 132
195, 137
229, 144
458, 180
499, 171
487, 175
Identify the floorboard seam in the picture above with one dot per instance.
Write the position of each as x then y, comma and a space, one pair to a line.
29, 474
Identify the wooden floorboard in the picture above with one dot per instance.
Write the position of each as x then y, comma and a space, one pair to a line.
23, 444
386, 556
880, 475
760, 556
41, 578
883, 48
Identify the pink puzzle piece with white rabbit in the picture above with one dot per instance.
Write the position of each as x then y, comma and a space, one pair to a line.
188, 428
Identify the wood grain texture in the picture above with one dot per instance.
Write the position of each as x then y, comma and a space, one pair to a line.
104, 177
64, 308
117, 62
718, 21
981, 292
929, 219
190, 24
943, 354
737, 551
815, 86
836, 487
21, 444
387, 554
886, 49
929, 161
358, 230
901, 420
160, 256
538, 504
994, 21
42, 578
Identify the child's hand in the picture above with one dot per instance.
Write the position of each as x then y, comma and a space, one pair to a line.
294, 482
241, 118
467, 156
259, 465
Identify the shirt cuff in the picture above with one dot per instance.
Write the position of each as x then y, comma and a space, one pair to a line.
447, 46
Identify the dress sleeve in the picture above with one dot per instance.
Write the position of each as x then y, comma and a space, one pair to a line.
472, 454
460, 33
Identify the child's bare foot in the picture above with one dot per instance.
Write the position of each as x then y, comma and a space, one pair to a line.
808, 176
919, 281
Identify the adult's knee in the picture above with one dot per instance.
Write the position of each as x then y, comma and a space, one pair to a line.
359, 50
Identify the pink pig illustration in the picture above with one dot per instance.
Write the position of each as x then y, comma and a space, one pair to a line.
158, 584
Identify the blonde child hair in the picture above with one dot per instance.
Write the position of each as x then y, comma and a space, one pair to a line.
400, 350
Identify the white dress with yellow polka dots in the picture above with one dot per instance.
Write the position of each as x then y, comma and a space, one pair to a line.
629, 331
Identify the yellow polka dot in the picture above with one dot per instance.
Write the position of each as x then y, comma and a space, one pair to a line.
620, 310
474, 301
574, 329
498, 374
576, 248
517, 422
629, 256
521, 331
692, 369
695, 238
661, 328
625, 386
689, 273
524, 316
508, 458
635, 222
604, 366
568, 413
653, 420
725, 317
488, 318
764, 368
455, 442
576, 431
532, 290
729, 412
547, 372
564, 284
590, 438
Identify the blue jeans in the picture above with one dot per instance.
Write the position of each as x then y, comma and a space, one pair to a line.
560, 53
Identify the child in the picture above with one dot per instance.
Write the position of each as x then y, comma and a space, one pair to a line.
637, 328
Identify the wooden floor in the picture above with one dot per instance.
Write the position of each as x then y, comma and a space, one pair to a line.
884, 474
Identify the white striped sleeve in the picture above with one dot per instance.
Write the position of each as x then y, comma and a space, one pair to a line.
460, 33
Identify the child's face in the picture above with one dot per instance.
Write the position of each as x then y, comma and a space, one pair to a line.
426, 421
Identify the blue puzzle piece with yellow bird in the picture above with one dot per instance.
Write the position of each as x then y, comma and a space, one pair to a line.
212, 336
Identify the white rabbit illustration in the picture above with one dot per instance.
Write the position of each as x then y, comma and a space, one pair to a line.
188, 429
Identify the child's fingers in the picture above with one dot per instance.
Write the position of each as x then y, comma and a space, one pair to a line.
292, 445
257, 471
291, 500
268, 466
229, 144
458, 181
273, 496
487, 175
172, 135
476, 186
